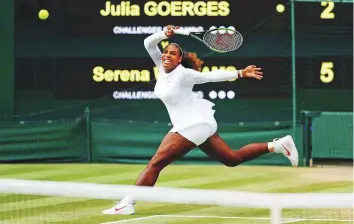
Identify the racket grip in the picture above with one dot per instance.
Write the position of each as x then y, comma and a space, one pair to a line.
181, 32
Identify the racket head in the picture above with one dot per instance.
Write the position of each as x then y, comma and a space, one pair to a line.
223, 40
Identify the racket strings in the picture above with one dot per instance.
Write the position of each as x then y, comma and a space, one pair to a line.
225, 41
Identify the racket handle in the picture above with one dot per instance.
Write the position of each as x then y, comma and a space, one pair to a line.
181, 32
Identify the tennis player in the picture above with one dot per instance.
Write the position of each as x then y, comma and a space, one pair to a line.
193, 118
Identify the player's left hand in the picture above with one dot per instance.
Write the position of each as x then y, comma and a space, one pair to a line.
169, 32
252, 71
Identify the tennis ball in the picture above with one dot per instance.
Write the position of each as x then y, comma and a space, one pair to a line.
280, 8
43, 14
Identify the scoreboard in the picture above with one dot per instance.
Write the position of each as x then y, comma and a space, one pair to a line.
93, 49
324, 40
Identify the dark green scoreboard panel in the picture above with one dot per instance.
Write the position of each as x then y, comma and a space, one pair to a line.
90, 49
324, 34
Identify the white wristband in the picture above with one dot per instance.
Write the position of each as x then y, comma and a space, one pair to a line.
239, 75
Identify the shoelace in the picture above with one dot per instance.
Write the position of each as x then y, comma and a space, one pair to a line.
116, 202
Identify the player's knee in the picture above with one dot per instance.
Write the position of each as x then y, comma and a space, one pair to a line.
231, 163
234, 159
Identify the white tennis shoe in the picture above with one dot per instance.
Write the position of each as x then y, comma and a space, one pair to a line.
287, 146
121, 208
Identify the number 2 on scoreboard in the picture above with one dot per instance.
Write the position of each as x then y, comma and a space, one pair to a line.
327, 12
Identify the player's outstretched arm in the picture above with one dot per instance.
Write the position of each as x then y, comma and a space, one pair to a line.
194, 77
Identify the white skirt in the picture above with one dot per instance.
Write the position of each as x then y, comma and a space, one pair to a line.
198, 133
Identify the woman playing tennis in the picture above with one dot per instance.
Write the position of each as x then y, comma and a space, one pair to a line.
193, 118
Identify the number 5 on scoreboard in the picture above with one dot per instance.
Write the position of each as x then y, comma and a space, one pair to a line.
327, 73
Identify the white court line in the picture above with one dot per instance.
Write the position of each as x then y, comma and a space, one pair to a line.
129, 220
214, 217
250, 218
335, 220
289, 220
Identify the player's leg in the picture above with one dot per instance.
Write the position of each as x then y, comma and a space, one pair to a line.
216, 148
172, 147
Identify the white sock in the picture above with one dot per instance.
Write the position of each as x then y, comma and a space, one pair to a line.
275, 147
271, 146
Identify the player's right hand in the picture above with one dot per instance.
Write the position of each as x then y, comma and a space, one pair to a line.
252, 71
169, 32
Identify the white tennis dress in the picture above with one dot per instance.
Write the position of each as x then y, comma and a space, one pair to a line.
190, 116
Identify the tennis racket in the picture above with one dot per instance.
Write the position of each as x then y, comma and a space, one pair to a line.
220, 40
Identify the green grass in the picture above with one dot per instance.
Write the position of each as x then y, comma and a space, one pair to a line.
59, 210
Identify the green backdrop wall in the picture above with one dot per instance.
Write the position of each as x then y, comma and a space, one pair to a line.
124, 141
7, 57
